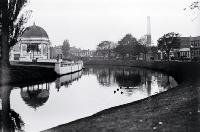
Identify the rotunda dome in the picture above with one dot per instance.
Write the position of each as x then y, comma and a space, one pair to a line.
34, 32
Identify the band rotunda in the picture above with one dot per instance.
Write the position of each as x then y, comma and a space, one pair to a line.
34, 44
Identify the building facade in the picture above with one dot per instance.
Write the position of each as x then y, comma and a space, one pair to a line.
34, 44
195, 47
56, 52
189, 49
184, 51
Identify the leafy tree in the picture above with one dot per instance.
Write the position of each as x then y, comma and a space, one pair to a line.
104, 49
128, 45
143, 42
124, 45
154, 49
121, 50
12, 24
169, 42
65, 49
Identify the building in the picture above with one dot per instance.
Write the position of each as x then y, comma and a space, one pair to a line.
75, 51
195, 47
34, 44
184, 51
189, 49
87, 53
56, 52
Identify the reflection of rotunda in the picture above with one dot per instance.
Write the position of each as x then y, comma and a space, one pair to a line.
35, 96
34, 44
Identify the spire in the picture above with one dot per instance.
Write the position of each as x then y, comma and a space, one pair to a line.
33, 23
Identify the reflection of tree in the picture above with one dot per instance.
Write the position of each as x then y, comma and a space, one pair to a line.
10, 120
165, 82
104, 76
128, 80
146, 81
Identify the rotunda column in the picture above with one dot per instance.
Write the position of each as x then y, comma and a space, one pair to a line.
48, 52
42, 47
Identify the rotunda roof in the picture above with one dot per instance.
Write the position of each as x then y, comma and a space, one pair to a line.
35, 32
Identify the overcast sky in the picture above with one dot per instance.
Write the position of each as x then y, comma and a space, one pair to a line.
85, 23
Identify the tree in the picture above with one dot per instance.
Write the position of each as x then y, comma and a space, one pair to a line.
169, 42
154, 49
195, 8
128, 45
104, 49
65, 49
143, 42
195, 5
12, 25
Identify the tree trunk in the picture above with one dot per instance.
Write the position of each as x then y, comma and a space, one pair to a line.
5, 34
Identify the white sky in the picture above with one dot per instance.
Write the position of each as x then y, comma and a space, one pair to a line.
85, 23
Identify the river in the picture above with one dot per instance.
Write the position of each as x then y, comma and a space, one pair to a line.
42, 106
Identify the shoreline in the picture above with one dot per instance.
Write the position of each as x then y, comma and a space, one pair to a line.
160, 112
177, 109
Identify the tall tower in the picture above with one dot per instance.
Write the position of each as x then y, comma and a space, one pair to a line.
148, 32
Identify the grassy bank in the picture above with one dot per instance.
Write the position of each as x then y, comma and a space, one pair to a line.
177, 110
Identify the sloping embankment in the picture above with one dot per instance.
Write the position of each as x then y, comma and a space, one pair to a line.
176, 110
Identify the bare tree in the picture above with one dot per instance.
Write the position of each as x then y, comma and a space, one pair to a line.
195, 5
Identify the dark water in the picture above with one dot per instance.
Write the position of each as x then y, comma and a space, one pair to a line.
42, 106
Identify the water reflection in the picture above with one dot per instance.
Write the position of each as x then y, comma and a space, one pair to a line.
35, 95
81, 94
130, 79
66, 80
